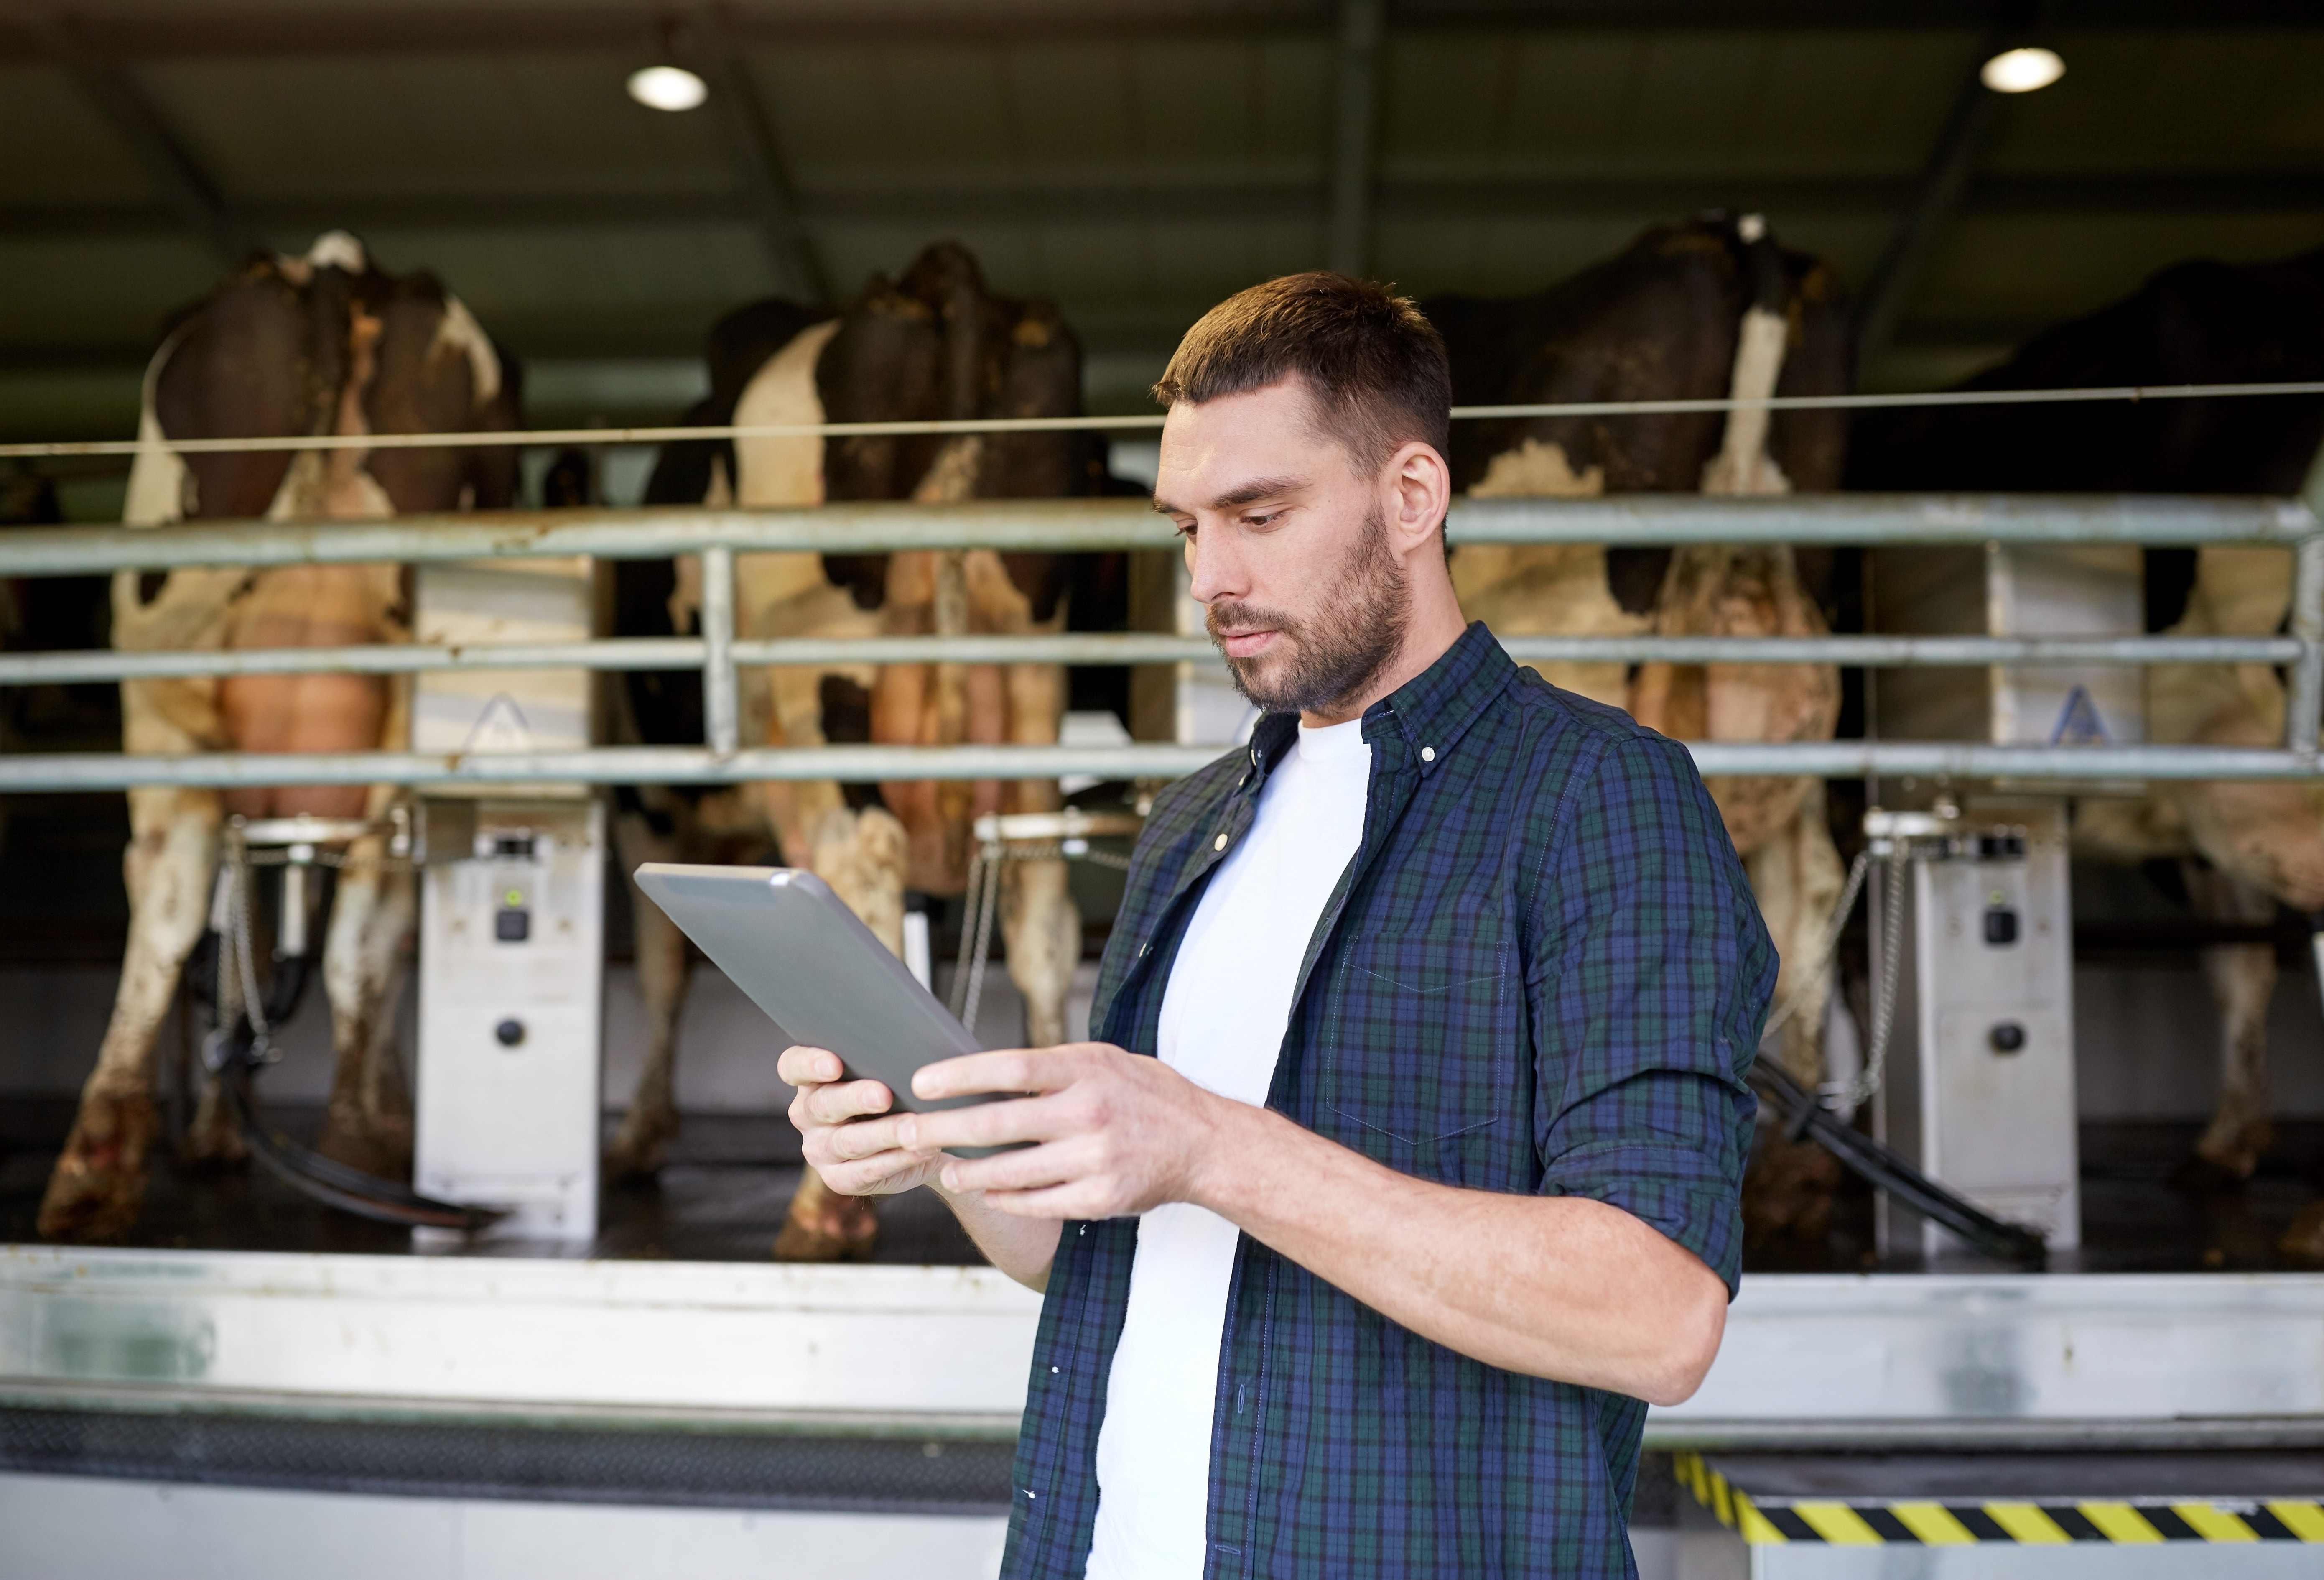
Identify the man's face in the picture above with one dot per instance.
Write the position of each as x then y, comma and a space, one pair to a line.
1288, 547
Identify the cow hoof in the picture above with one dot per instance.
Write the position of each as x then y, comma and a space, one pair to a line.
641, 1146
98, 1184
2304, 1241
211, 1148
840, 1228
374, 1144
213, 1140
1788, 1191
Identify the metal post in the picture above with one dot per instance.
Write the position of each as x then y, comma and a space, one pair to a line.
2299, 725
720, 715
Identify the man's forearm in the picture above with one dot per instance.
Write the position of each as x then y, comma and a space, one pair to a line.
1557, 1287
1019, 1246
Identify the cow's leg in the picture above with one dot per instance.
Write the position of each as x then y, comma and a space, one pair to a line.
1796, 877
2242, 979
99, 1181
368, 1122
650, 1124
862, 857
1037, 915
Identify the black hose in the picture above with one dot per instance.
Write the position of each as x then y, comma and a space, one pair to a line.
304, 1169
333, 1184
1803, 1113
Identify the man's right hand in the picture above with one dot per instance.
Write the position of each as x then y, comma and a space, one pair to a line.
848, 1134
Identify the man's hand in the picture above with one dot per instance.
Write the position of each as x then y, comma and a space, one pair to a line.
845, 1130
1114, 1134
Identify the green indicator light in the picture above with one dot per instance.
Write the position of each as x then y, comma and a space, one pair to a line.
513, 897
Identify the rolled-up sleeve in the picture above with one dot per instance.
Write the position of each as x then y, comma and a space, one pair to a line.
1648, 983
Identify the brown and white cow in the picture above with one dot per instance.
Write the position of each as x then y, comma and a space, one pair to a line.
2243, 848
935, 343
320, 345
1711, 306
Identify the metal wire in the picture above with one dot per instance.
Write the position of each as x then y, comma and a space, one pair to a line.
667, 434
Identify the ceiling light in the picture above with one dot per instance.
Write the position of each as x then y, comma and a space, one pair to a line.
2021, 70
671, 88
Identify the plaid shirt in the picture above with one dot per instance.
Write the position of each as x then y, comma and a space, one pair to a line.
1543, 972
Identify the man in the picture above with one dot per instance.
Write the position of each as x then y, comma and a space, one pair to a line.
1454, 978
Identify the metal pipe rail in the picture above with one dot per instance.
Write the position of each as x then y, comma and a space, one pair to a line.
1062, 525
1065, 525
689, 652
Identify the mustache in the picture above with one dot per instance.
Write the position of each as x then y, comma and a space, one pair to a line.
1219, 619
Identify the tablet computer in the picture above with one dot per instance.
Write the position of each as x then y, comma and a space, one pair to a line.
781, 936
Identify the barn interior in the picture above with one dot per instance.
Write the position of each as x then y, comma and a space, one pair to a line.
1133, 161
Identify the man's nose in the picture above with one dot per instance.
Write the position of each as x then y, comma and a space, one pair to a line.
1214, 570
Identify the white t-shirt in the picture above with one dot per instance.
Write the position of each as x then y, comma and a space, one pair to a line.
1223, 1018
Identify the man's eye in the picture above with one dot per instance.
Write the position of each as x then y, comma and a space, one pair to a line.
1186, 529
1260, 518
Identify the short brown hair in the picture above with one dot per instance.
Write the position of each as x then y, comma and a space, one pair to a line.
1376, 364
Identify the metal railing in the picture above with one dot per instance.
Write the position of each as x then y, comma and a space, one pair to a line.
718, 535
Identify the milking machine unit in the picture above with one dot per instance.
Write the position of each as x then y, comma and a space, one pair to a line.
1973, 963
512, 885
511, 932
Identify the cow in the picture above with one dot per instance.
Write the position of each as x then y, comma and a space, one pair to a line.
933, 343
2241, 848
322, 344
1711, 307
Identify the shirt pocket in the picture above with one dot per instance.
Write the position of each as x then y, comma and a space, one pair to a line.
1423, 1061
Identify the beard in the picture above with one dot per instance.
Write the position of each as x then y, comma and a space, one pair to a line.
1340, 648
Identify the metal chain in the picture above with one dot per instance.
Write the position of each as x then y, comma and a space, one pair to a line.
969, 904
982, 901
1825, 952
989, 904
1891, 944
1884, 1007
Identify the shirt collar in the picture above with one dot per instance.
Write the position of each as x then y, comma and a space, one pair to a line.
1419, 723
1424, 719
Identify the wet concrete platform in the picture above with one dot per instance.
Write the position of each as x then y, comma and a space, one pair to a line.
730, 1176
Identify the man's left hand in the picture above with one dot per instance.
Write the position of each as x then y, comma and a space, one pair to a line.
1114, 1134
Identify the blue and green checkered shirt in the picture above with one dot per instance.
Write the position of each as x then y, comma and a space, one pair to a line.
1543, 972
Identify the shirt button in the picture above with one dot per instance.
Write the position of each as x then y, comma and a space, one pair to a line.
1428, 753
1219, 843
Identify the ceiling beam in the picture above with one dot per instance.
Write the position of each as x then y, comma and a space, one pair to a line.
1355, 138
1199, 203
1944, 185
187, 192
755, 158
227, 30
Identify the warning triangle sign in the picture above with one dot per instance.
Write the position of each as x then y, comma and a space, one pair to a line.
2079, 724
501, 727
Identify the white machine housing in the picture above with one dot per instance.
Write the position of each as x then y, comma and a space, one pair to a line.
1979, 1086
512, 928
2013, 589
511, 951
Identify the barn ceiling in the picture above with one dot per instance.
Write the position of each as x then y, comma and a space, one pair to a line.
1136, 159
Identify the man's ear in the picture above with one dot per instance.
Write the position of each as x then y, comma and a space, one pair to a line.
1420, 488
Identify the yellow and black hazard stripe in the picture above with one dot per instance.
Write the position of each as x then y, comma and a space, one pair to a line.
1871, 1522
